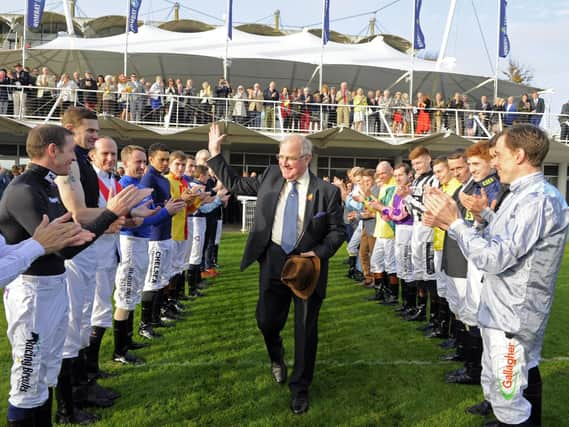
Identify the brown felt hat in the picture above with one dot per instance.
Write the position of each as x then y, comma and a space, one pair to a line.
301, 275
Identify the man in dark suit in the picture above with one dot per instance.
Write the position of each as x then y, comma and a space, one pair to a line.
537, 107
564, 123
317, 217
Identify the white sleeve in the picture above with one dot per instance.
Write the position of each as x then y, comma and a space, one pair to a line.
15, 259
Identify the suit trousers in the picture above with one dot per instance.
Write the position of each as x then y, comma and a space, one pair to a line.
272, 313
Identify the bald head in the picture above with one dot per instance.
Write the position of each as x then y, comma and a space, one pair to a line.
384, 171
105, 154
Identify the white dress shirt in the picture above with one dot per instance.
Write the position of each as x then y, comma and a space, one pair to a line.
15, 259
302, 189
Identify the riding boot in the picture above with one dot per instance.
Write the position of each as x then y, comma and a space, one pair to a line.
533, 394
92, 352
352, 267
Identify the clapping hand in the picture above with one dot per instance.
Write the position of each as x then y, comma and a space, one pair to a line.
60, 233
442, 210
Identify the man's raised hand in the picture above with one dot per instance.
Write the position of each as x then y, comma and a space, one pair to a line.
215, 139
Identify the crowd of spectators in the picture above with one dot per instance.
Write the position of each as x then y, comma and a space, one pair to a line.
160, 100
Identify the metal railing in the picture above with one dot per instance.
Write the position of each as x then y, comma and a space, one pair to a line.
169, 110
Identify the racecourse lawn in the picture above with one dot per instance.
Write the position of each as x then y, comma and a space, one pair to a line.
372, 369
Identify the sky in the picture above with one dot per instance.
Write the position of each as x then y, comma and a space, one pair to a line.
537, 28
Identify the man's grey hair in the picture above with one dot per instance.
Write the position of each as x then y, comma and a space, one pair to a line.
306, 144
202, 156
385, 165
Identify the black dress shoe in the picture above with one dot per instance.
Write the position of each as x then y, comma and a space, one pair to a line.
147, 331
428, 327
100, 374
483, 409
299, 404
128, 359
437, 333
279, 372
451, 342
138, 345
463, 379
76, 417
102, 392
453, 357
456, 372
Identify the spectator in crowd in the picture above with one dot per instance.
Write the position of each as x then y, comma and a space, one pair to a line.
455, 122
123, 89
398, 114
564, 122
108, 89
537, 107
170, 104
206, 102
497, 115
240, 106
360, 104
524, 106
223, 90
325, 102
136, 102
306, 109
271, 97
285, 108
88, 86
155, 92
373, 99
100, 83
21, 79
45, 95
424, 114
67, 92
332, 107
484, 110
510, 108
470, 124
344, 100
256, 105
386, 105
439, 112
5, 92
192, 102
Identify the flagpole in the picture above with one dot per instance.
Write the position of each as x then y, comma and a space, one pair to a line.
497, 52
26, 14
411, 98
227, 24
125, 60
322, 44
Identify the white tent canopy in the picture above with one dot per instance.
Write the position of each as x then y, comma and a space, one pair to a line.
289, 60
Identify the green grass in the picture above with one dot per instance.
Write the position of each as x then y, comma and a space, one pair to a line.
372, 369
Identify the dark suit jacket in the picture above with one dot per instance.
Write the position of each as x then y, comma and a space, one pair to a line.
323, 227
538, 106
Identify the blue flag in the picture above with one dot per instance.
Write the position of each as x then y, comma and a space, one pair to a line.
419, 42
133, 9
504, 40
326, 23
230, 20
35, 12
